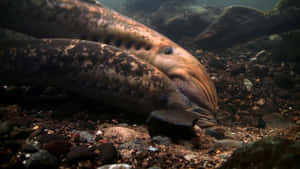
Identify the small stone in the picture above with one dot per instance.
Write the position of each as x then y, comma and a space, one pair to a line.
50, 132
99, 132
161, 140
153, 149
138, 145
261, 102
120, 134
248, 84
107, 153
83, 136
275, 37
115, 166
79, 153
189, 157
36, 127
198, 51
42, 159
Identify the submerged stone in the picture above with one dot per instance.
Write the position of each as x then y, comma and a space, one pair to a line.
271, 152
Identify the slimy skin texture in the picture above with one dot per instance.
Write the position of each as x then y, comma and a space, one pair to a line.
100, 72
91, 21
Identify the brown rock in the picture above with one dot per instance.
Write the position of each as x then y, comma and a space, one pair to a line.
120, 134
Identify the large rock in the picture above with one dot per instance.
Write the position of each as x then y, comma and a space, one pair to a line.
272, 153
179, 21
238, 24
42, 159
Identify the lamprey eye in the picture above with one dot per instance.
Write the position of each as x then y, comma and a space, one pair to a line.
168, 50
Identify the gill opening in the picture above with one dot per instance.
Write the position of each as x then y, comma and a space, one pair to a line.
120, 42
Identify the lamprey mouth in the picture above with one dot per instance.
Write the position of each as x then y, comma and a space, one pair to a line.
178, 124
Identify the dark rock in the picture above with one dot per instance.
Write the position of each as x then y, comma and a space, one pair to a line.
238, 24
267, 153
79, 153
237, 69
270, 106
13, 144
50, 137
29, 148
261, 123
161, 140
218, 134
188, 19
283, 80
57, 147
20, 133
108, 153
5, 128
259, 70
42, 160
216, 63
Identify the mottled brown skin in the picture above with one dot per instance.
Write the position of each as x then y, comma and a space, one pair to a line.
98, 69
95, 70
90, 21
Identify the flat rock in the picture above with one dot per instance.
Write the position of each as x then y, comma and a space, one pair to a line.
120, 134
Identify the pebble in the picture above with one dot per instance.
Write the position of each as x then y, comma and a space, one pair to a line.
41, 159
261, 102
248, 84
107, 153
79, 153
120, 134
137, 145
161, 140
152, 149
83, 136
115, 166
189, 157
